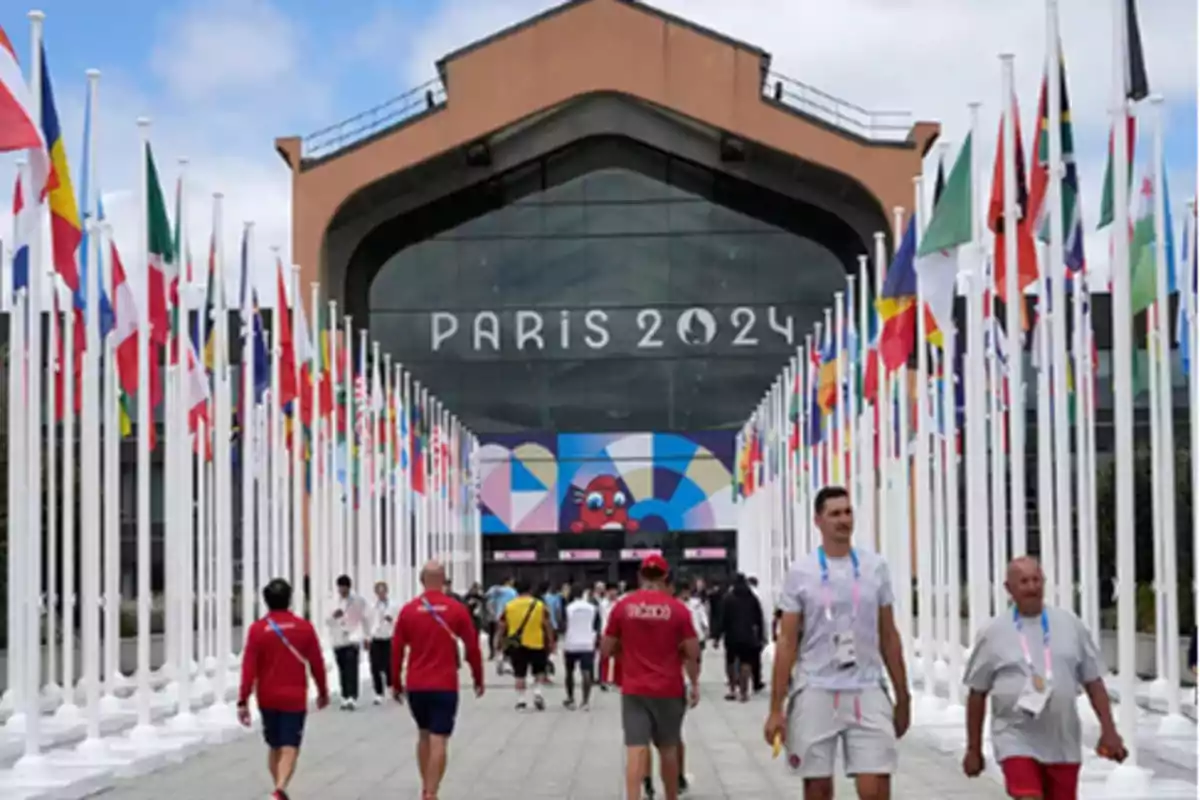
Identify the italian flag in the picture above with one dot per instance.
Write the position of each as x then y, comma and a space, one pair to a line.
161, 245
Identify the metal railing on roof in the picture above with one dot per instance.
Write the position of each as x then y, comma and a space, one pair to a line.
413, 103
880, 126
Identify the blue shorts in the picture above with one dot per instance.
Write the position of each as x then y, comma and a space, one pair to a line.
434, 712
282, 728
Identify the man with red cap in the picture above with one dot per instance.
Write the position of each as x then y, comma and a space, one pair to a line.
654, 635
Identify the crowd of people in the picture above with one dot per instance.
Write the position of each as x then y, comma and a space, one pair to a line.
837, 650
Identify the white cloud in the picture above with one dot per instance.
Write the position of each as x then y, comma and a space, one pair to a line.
229, 76
928, 57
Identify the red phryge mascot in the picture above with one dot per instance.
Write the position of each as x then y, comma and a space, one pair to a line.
603, 506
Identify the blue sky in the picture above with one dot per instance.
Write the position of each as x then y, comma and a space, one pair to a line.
222, 78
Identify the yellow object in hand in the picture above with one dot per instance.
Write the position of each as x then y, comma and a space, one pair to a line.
777, 748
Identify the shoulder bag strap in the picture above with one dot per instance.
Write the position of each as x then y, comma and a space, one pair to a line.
279, 632
529, 613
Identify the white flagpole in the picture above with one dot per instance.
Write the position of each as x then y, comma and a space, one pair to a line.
1016, 371
392, 562
1001, 548
373, 488
32, 552
1047, 550
934, 394
176, 453
1165, 455
408, 548
1056, 268
975, 413
318, 533
113, 677
1122, 354
362, 421
246, 419
921, 547
143, 730
839, 408
68, 598
953, 559
276, 470
349, 543
865, 433
222, 456
48, 591
90, 470
883, 404
298, 537
18, 424
221, 479
1188, 290
476, 512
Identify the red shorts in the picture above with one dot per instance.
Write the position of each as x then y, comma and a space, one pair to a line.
1025, 777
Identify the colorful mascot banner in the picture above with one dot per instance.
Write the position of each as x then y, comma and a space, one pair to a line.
619, 482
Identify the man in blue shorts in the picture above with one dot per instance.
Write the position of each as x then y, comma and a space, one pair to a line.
281, 649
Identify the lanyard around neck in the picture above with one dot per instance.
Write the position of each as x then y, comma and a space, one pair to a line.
1047, 663
827, 593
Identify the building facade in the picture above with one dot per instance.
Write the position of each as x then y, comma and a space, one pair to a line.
597, 236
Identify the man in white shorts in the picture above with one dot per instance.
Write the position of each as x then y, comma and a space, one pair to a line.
837, 629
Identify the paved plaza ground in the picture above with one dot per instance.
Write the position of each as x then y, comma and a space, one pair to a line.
498, 753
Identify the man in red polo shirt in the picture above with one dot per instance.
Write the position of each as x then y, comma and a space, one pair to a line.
431, 628
281, 649
654, 635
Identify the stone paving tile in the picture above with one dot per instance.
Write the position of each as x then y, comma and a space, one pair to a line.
497, 754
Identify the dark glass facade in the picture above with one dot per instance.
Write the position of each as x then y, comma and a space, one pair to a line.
613, 287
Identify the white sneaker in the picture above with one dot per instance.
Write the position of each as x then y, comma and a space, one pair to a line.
586, 707
378, 701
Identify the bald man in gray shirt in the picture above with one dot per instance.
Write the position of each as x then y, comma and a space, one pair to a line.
1033, 662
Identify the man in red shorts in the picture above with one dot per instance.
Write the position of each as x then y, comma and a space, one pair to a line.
653, 633
281, 649
1032, 662
431, 628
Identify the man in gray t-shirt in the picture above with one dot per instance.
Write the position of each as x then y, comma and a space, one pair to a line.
1033, 661
837, 629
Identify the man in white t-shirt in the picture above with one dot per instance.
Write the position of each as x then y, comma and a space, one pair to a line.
348, 635
838, 632
579, 646
606, 598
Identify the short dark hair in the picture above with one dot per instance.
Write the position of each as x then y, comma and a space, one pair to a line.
826, 494
683, 586
277, 595
543, 588
344, 580
521, 585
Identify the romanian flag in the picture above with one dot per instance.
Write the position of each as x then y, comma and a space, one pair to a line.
827, 388
66, 232
288, 391
897, 303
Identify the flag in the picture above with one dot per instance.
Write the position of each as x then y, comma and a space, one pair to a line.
305, 354
827, 374
897, 303
162, 256
325, 363
18, 128
287, 351
1143, 261
65, 230
1137, 84
125, 338
25, 225
949, 229
1106, 198
1027, 265
1040, 177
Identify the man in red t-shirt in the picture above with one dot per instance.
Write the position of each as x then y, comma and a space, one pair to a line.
281, 649
430, 628
654, 634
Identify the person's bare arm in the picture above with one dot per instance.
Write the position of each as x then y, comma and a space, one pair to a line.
892, 651
786, 647
609, 646
690, 648
976, 712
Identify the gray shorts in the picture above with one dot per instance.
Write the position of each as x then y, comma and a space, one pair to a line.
818, 719
652, 719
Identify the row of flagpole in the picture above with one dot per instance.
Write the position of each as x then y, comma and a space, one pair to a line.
870, 411
340, 462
